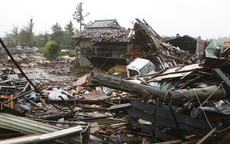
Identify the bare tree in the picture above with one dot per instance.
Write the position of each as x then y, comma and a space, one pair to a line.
15, 35
30, 30
26, 34
79, 16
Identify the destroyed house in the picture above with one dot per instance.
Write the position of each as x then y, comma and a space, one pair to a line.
102, 44
188, 43
148, 44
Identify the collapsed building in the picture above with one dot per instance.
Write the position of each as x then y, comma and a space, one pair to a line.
150, 45
105, 44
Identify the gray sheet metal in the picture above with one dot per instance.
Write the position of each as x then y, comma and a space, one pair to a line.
27, 126
42, 137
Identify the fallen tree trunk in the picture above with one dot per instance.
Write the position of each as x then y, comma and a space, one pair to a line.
198, 94
124, 85
177, 97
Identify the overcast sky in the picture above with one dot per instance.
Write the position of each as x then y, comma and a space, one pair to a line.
205, 18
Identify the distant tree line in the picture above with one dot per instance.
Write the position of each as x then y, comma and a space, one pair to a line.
48, 42
26, 36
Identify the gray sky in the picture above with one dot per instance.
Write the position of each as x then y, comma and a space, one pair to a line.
205, 18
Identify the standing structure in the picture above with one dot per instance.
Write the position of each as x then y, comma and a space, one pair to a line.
102, 44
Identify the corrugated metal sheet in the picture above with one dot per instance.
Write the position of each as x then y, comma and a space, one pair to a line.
42, 137
27, 126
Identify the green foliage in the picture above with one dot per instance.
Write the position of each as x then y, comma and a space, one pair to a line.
69, 32
69, 28
51, 49
58, 34
41, 39
63, 37
72, 53
56, 27
26, 35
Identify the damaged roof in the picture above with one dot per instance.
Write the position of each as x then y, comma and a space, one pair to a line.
108, 23
105, 35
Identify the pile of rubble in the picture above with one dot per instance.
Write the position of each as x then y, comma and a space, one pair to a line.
180, 100
161, 97
180, 103
27, 111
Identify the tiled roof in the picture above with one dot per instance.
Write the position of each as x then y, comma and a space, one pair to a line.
109, 23
105, 35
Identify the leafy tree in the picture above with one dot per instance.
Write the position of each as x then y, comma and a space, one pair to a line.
69, 32
58, 34
56, 27
24, 37
63, 37
69, 28
51, 49
41, 39
79, 16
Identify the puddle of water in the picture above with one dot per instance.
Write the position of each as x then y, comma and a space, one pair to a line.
38, 74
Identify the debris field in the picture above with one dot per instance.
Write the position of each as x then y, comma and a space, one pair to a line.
176, 97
